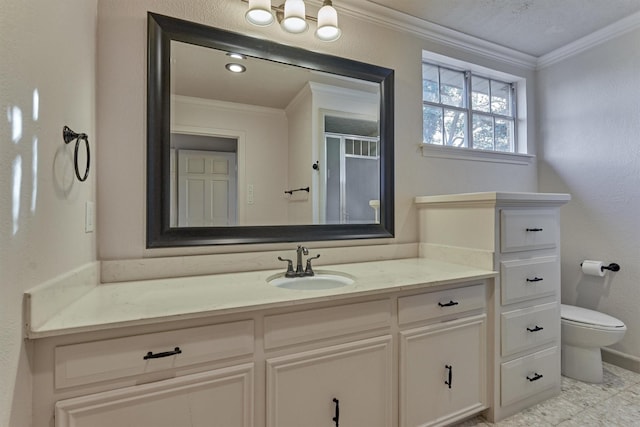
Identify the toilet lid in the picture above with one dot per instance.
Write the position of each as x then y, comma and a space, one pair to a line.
589, 317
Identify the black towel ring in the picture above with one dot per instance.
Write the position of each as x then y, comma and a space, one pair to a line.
68, 135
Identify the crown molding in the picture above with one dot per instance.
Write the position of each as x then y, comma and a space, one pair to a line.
617, 29
371, 12
374, 13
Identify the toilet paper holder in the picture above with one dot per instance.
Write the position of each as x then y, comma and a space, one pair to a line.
611, 267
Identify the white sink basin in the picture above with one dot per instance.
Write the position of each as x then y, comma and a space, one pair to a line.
320, 281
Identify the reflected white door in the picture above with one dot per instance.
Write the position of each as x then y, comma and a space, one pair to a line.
206, 188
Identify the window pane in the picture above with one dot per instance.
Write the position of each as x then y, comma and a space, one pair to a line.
451, 87
482, 129
349, 146
356, 147
373, 149
455, 123
480, 94
500, 98
504, 135
429, 83
431, 125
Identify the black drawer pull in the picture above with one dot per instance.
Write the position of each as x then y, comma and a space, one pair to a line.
535, 279
450, 381
536, 377
536, 329
150, 354
534, 229
448, 304
336, 418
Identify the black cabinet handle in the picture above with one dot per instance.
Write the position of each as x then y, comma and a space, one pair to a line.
535, 279
336, 418
150, 354
536, 329
534, 229
536, 377
448, 304
450, 381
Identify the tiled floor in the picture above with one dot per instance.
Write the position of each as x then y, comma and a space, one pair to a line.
615, 402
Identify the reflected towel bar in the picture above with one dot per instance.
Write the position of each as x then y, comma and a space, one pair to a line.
297, 189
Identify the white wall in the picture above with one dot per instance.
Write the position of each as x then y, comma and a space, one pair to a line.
263, 143
48, 48
589, 125
121, 108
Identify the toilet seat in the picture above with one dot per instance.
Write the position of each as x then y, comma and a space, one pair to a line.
589, 318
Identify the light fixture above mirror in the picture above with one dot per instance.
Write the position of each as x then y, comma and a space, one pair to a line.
293, 18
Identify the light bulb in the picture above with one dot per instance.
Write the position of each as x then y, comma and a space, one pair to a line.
294, 17
259, 13
328, 23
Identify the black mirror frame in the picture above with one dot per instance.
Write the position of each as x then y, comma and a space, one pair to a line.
161, 31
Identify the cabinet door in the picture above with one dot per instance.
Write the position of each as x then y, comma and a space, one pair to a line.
222, 398
301, 387
442, 372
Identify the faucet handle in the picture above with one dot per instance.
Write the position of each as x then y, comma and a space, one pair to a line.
290, 272
308, 271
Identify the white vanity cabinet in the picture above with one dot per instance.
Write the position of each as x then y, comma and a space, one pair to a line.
517, 234
367, 360
442, 356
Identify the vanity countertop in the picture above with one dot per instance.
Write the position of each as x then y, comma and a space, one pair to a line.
119, 305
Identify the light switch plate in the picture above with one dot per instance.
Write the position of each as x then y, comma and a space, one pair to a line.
89, 217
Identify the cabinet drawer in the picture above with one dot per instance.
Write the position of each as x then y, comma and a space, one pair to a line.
527, 230
431, 305
527, 279
91, 362
529, 375
323, 323
529, 327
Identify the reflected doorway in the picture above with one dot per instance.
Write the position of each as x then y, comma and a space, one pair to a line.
352, 176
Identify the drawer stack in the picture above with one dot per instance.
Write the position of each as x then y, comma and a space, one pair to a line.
529, 309
518, 235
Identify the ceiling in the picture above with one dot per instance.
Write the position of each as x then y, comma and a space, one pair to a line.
200, 72
534, 27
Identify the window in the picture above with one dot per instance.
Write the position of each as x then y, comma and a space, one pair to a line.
463, 109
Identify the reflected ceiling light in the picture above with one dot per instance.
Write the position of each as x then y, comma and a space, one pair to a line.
259, 13
235, 68
292, 17
235, 55
328, 30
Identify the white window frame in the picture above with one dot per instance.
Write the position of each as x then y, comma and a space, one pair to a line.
521, 154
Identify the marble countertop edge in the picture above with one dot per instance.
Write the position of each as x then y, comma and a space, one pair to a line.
120, 305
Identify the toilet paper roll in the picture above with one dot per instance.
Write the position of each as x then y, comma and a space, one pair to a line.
593, 268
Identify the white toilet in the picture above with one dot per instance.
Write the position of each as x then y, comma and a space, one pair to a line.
584, 332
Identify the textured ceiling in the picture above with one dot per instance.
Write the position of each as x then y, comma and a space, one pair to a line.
534, 27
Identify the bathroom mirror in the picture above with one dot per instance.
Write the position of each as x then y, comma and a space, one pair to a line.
298, 147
